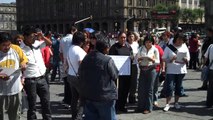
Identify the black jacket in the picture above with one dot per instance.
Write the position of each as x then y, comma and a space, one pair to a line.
97, 74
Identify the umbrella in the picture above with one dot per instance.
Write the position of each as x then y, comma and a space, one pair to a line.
90, 30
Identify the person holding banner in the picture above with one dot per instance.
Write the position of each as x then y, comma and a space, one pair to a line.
148, 58
124, 49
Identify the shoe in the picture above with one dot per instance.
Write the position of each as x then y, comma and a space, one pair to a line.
177, 106
146, 111
156, 104
166, 108
202, 88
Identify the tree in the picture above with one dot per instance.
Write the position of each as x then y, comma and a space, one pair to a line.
193, 16
160, 7
185, 15
200, 14
174, 10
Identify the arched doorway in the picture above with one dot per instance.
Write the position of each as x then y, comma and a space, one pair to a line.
54, 28
116, 26
96, 26
105, 27
80, 26
88, 25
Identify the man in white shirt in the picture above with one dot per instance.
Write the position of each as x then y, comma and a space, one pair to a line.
74, 58
65, 44
35, 82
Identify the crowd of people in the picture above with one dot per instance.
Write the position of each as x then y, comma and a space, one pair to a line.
93, 87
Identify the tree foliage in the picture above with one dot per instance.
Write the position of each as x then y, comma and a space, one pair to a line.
191, 16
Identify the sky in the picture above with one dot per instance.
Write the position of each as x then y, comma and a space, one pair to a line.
7, 1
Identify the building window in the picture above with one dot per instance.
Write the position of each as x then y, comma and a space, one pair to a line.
105, 2
139, 2
183, 1
1, 25
190, 1
211, 8
195, 3
129, 2
116, 2
96, 2
139, 12
130, 12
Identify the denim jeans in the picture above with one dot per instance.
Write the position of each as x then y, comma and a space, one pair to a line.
103, 110
173, 82
145, 89
155, 89
40, 87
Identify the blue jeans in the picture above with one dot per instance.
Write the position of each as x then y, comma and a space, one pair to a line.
173, 82
155, 89
103, 110
145, 89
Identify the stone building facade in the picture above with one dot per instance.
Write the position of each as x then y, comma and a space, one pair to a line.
108, 15
8, 17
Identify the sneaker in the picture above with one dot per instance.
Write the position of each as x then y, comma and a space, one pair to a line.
177, 106
166, 108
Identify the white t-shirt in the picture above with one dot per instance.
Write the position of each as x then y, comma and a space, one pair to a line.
175, 68
152, 52
35, 66
209, 55
74, 56
65, 44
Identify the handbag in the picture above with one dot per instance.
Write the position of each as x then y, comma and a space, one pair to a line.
74, 82
162, 77
204, 73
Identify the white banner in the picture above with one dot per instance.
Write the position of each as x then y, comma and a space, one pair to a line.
123, 64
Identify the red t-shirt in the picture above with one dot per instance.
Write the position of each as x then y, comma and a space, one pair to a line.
193, 45
46, 54
160, 50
